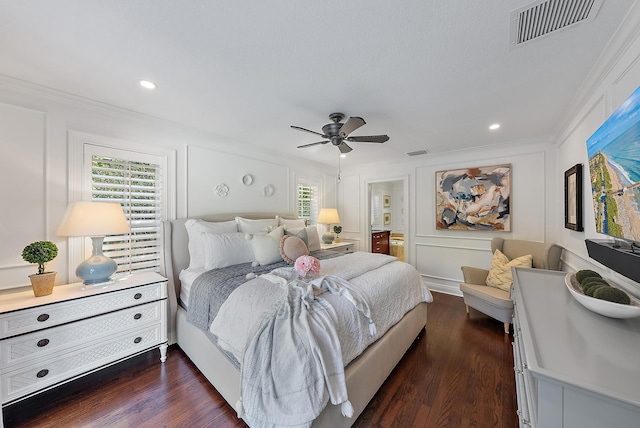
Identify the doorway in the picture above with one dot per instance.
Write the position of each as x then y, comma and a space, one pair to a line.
388, 217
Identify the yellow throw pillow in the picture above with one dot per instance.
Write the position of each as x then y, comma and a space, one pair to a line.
500, 271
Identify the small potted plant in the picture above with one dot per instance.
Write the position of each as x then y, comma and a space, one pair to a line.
337, 229
41, 252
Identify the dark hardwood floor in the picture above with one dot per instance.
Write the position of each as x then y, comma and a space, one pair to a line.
458, 374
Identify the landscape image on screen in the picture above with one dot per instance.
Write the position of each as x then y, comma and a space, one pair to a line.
614, 168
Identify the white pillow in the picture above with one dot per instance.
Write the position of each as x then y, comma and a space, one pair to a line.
313, 239
195, 228
295, 224
222, 250
266, 248
246, 225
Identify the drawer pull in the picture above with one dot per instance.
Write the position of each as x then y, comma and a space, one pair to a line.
42, 343
137, 296
137, 340
137, 316
42, 373
43, 317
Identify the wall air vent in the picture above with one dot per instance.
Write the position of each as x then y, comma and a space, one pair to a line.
418, 152
543, 17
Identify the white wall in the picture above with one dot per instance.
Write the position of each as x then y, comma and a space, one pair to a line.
35, 169
610, 83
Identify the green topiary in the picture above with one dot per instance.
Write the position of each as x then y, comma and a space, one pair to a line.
40, 252
595, 287
586, 273
613, 295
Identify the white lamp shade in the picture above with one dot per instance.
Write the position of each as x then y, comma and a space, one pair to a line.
328, 216
93, 219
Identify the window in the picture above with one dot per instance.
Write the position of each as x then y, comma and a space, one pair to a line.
308, 201
137, 181
137, 187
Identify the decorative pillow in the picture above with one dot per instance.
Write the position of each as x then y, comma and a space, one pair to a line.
226, 250
246, 225
500, 271
195, 228
289, 224
292, 247
302, 234
313, 239
266, 248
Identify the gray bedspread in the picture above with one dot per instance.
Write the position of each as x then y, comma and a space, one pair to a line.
211, 289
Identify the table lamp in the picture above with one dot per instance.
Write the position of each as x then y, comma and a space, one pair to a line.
96, 220
328, 216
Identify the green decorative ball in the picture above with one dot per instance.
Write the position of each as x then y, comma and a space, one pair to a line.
613, 295
586, 273
592, 280
595, 287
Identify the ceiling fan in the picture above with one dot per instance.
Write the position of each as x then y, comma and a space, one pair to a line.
337, 133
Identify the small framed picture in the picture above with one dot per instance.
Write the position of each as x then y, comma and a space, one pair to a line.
387, 218
386, 201
573, 198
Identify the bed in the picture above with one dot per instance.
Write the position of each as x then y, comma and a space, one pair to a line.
363, 375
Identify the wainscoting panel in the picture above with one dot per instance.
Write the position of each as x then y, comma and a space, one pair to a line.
349, 206
440, 264
22, 136
220, 182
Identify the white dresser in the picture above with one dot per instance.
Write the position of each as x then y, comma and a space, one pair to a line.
46, 341
574, 368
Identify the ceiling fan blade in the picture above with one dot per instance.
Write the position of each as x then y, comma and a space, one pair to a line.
369, 138
307, 130
312, 144
344, 148
351, 125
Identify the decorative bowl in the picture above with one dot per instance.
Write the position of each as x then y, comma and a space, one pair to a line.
599, 306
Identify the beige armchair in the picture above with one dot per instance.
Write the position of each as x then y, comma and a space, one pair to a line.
493, 301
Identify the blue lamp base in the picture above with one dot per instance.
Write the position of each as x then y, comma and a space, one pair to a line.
328, 237
98, 268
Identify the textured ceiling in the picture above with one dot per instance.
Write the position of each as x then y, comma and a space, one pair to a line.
430, 74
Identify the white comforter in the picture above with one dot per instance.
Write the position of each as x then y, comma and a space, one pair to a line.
390, 288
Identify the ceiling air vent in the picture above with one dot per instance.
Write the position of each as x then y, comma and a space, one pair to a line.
543, 17
418, 152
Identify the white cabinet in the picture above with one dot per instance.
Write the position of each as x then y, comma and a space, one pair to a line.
46, 341
574, 368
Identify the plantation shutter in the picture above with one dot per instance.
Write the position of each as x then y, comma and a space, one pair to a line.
137, 187
308, 202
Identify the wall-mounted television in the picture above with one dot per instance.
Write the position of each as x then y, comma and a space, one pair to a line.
614, 169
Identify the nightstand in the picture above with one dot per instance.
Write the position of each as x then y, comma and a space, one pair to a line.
50, 340
342, 247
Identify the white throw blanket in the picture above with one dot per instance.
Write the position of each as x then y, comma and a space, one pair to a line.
295, 358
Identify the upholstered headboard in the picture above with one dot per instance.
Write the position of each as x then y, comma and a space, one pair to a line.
175, 253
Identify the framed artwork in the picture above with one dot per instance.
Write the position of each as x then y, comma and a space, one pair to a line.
387, 218
386, 201
474, 199
573, 198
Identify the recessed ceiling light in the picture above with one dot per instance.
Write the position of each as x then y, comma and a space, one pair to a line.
494, 126
148, 84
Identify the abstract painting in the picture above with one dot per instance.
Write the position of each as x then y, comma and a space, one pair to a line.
474, 199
